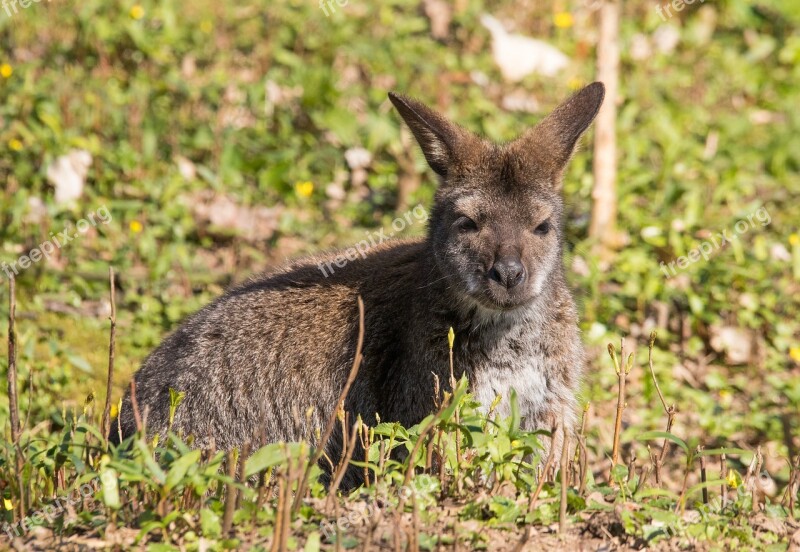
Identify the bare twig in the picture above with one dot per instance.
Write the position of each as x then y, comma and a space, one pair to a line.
414, 451
111, 348
548, 463
632, 467
347, 455
669, 410
230, 492
562, 510
240, 474
283, 514
723, 473
580, 451
320, 450
794, 483
703, 477
643, 477
622, 376
12, 361
413, 534
656, 465
366, 443
689, 462
135, 406
13, 404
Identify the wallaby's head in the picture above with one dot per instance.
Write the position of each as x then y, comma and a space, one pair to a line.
495, 227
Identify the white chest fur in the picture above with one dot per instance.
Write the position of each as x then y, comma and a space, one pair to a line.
529, 383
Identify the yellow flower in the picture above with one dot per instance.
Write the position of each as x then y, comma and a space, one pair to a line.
6, 70
206, 26
137, 12
563, 20
8, 504
794, 354
451, 337
575, 83
15, 144
304, 189
733, 479
135, 226
114, 410
794, 239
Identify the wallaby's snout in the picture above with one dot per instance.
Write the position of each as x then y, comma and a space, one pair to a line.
508, 271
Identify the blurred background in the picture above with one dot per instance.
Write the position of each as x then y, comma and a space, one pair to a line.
222, 139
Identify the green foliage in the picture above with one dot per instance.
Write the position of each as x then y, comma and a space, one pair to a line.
261, 102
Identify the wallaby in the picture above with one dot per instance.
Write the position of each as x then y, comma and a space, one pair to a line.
256, 361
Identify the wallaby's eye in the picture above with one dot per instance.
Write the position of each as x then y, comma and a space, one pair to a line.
466, 224
542, 229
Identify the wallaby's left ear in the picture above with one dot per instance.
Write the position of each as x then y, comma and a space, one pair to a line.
438, 137
558, 133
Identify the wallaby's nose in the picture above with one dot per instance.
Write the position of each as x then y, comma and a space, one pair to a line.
508, 272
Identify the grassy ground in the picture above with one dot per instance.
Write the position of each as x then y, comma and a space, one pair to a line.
198, 115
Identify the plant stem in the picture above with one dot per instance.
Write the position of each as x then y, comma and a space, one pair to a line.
320, 450
111, 348
562, 510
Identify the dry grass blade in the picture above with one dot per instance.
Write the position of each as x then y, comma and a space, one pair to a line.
669, 410
320, 450
344, 463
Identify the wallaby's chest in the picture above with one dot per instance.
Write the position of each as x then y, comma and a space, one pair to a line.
512, 360
529, 383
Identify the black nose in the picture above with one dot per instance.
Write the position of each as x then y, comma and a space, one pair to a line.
508, 272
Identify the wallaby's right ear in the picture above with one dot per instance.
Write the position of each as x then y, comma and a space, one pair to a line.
437, 136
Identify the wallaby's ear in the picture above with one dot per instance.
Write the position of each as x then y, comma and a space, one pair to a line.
558, 133
437, 136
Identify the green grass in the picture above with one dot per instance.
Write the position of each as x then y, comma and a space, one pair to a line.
708, 135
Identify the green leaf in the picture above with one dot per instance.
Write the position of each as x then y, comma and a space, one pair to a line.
179, 469
175, 400
152, 466
110, 484
653, 435
700, 486
725, 450
80, 363
210, 523
619, 472
265, 457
